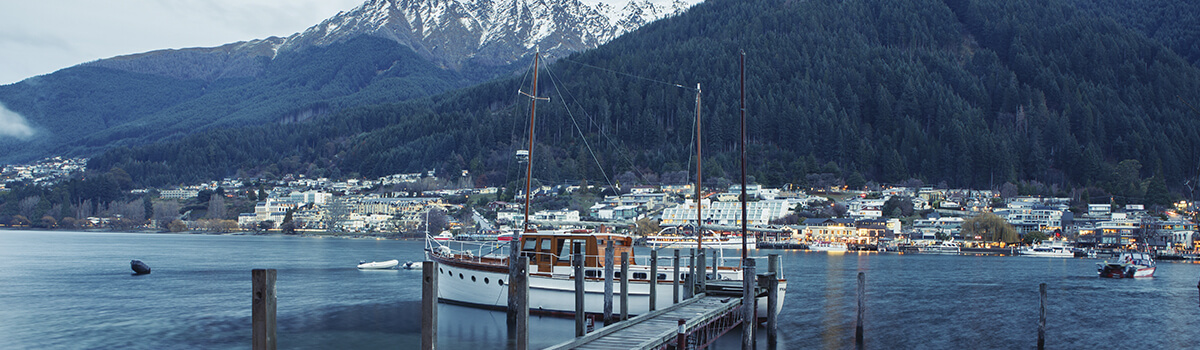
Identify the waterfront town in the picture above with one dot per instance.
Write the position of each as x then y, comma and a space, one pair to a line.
416, 204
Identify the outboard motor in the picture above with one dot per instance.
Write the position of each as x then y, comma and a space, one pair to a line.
139, 267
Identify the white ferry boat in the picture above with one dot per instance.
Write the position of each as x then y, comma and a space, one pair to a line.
1054, 249
942, 247
828, 246
708, 242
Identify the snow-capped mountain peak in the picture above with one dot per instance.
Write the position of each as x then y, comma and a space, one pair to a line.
491, 32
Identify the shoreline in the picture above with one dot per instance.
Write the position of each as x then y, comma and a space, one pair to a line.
307, 234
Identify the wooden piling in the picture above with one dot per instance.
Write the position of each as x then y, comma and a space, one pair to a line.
748, 309
624, 286
263, 309
653, 280
675, 281
772, 306
1041, 341
701, 273
429, 316
521, 281
579, 278
862, 308
608, 283
513, 252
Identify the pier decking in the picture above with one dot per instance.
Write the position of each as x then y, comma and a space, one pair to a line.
706, 317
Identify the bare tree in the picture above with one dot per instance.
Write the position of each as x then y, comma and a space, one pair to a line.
216, 207
165, 212
28, 205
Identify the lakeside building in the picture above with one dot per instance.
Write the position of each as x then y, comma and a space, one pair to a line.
178, 194
759, 213
1028, 217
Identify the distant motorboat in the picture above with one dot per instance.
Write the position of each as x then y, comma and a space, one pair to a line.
1129, 265
411, 265
378, 265
139, 267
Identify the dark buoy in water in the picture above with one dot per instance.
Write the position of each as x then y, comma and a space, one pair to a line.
139, 267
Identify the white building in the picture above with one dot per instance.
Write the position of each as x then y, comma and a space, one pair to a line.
310, 197
726, 213
178, 194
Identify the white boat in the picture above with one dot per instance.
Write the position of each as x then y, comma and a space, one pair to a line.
708, 242
1128, 265
444, 236
828, 246
941, 247
476, 273
378, 265
411, 265
1054, 249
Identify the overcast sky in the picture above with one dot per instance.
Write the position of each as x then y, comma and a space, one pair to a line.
42, 36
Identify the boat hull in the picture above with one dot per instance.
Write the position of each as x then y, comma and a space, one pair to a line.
553, 295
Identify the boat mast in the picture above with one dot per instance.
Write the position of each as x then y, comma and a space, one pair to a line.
743, 147
699, 177
529, 161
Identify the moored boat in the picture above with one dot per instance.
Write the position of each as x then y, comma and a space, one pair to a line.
942, 247
477, 273
1128, 265
828, 247
708, 242
1054, 249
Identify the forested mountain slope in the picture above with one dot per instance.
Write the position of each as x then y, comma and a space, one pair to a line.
971, 93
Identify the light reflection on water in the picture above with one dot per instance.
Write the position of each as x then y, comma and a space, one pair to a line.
61, 290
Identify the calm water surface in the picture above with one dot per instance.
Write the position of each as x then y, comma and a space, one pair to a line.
68, 290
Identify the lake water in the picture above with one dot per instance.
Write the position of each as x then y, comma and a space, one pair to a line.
71, 290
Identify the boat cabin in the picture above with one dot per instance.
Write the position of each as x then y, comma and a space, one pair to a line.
546, 251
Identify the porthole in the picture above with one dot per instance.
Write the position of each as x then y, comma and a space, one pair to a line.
472, 278
440, 270
485, 280
500, 282
460, 276
451, 273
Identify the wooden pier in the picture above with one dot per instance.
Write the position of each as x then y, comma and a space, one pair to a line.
705, 318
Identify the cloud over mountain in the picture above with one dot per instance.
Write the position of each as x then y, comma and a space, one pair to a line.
14, 125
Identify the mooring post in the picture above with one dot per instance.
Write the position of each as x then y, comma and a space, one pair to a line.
579, 277
624, 286
773, 265
862, 308
513, 252
653, 280
429, 316
681, 335
772, 306
748, 309
689, 289
522, 290
1041, 343
675, 281
262, 304
701, 274
608, 282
